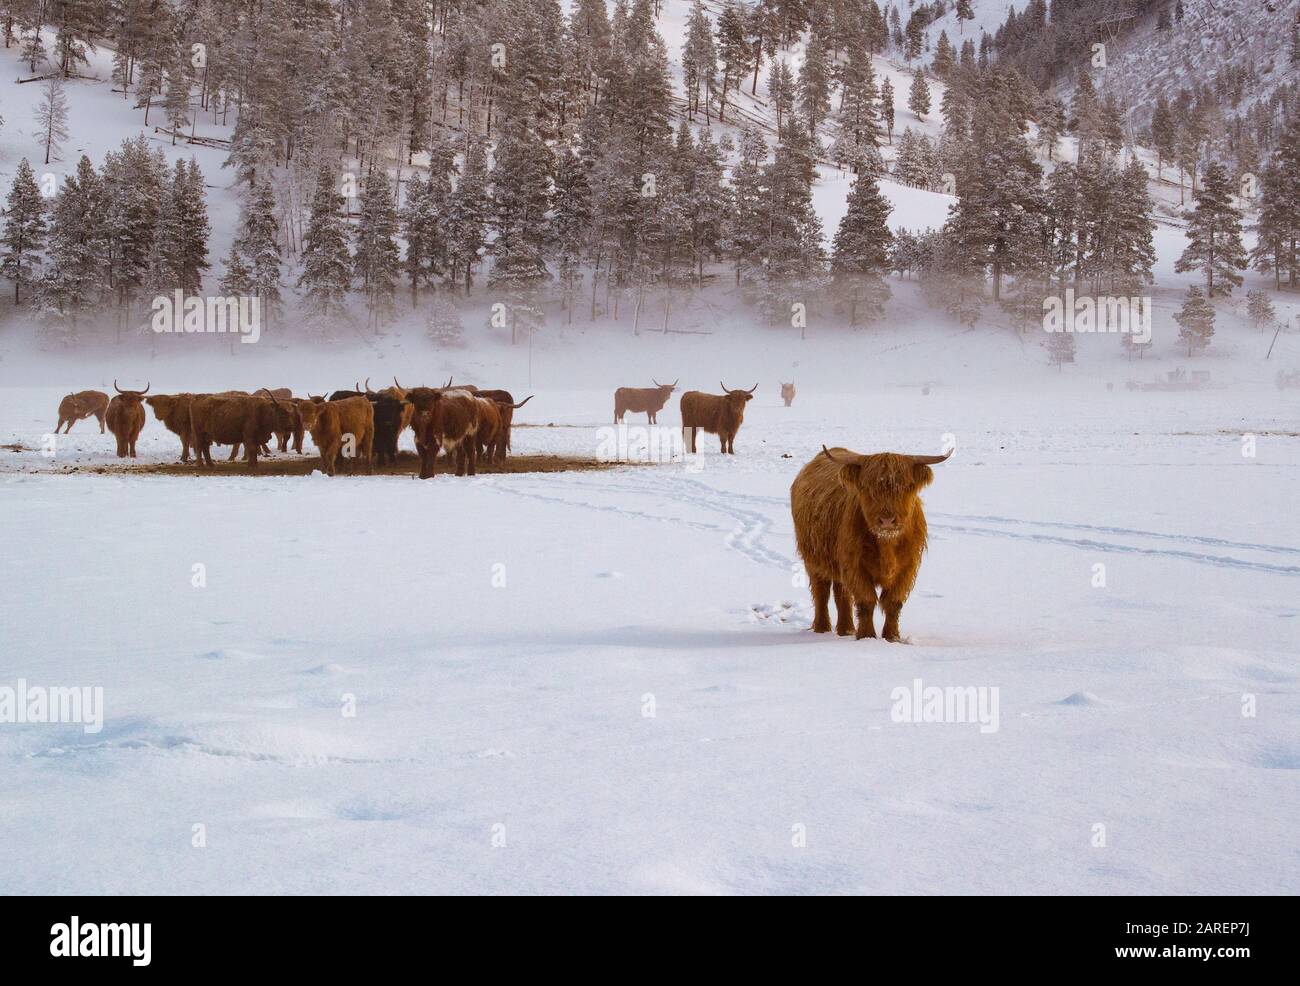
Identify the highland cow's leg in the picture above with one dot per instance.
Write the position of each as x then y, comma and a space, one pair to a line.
892, 607
864, 608
843, 609
234, 452
821, 593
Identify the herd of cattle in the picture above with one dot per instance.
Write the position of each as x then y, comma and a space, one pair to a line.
464, 422
858, 519
361, 425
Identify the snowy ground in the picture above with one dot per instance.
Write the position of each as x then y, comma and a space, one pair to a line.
504, 639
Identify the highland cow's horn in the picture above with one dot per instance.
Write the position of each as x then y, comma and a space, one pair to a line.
675, 381
115, 387
357, 386
851, 459
724, 387
271, 394
368, 390
448, 383
929, 460
396, 384
523, 402
752, 389
655, 382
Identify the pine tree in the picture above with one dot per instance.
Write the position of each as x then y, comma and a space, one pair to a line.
791, 247
1195, 320
1164, 134
996, 219
135, 183
73, 276
1214, 235
259, 243
572, 219
24, 230
747, 227
376, 259
699, 60
176, 102
467, 214
422, 228
1278, 229
780, 92
1051, 124
964, 13
913, 37
945, 58
1259, 307
1133, 252
918, 98
444, 326
1060, 348
887, 106
814, 82
520, 203
52, 118
190, 227
860, 253
237, 280
733, 49
326, 263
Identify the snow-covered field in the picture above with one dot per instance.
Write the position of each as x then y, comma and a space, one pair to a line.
605, 682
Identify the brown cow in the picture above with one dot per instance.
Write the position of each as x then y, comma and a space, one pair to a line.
787, 393
173, 410
125, 418
239, 420
651, 400
334, 423
721, 416
421, 400
507, 408
450, 422
80, 405
490, 437
288, 424
860, 528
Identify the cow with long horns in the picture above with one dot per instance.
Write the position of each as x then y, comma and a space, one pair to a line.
860, 528
718, 415
647, 400
125, 418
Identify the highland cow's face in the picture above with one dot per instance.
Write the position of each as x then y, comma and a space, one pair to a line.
310, 412
162, 405
886, 487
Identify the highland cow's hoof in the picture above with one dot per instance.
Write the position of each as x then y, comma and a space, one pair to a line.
865, 632
821, 626
845, 631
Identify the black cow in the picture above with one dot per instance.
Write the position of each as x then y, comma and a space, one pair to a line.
388, 420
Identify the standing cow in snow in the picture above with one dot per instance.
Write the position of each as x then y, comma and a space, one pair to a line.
860, 529
721, 416
80, 405
125, 418
647, 400
787, 393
